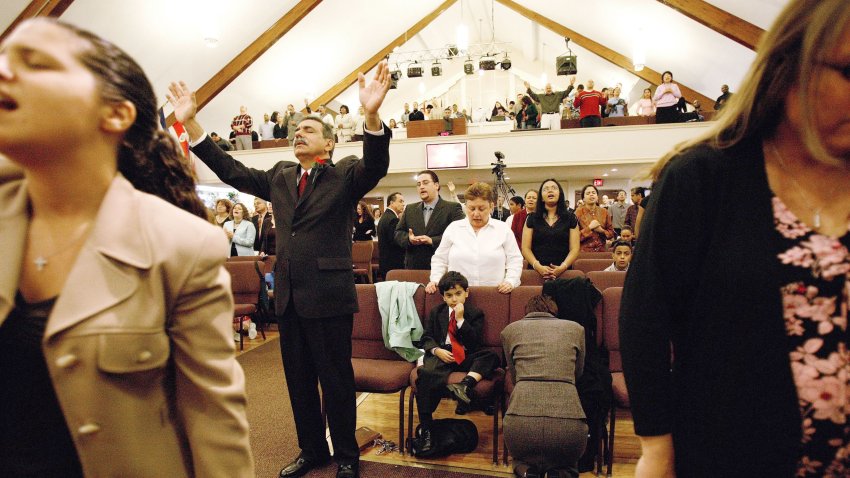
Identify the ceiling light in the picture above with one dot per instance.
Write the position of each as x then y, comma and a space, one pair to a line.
639, 66
614, 170
468, 67
414, 70
436, 69
605, 175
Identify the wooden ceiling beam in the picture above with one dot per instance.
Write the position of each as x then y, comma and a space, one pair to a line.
647, 74
38, 8
721, 21
349, 80
251, 53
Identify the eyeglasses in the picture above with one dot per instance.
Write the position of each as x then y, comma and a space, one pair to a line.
843, 70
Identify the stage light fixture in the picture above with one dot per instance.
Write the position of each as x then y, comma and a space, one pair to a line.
506, 63
566, 64
468, 67
436, 69
487, 63
414, 70
394, 77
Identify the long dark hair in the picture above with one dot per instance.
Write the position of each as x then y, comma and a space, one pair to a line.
147, 156
540, 209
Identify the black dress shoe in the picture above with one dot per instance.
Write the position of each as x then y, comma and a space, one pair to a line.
301, 466
425, 442
461, 392
348, 471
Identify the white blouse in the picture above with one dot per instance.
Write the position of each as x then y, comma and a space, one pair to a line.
485, 259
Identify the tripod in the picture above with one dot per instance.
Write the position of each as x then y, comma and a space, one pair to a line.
500, 186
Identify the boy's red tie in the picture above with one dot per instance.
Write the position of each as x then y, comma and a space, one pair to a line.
457, 349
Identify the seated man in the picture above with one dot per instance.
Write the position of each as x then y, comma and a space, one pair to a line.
451, 341
221, 142
622, 255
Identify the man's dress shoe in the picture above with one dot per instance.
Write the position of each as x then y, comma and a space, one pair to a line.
348, 471
302, 465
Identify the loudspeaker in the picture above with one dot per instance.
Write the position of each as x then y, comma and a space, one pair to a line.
436, 69
468, 68
566, 65
487, 64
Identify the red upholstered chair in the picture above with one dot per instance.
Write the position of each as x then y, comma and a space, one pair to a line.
421, 276
594, 255
588, 265
244, 259
611, 339
376, 261
495, 307
245, 283
361, 257
531, 277
603, 280
376, 368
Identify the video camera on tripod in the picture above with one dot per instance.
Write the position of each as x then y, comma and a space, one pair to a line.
500, 186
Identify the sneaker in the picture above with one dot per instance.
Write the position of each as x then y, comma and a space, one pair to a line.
252, 331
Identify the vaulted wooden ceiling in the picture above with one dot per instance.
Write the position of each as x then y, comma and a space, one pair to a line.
273, 52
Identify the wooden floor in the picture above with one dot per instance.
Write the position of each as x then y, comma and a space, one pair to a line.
380, 413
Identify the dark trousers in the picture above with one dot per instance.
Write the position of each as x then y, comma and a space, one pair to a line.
319, 351
590, 121
433, 376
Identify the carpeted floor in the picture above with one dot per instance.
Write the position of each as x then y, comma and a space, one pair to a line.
273, 437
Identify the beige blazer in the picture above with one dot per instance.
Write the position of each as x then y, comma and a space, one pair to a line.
139, 344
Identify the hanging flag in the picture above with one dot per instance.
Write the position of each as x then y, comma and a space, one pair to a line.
177, 130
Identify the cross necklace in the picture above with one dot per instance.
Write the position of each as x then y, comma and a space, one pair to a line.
42, 260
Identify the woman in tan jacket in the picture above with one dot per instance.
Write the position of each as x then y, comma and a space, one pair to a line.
116, 356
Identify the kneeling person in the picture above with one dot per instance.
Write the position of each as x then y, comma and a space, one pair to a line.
452, 341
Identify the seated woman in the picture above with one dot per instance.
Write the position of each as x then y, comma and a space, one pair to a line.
481, 249
364, 223
116, 357
550, 239
240, 231
594, 222
545, 427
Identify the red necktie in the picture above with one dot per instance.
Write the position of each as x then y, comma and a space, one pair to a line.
457, 349
302, 184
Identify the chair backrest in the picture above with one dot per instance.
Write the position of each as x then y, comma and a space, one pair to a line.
244, 259
367, 340
361, 254
420, 276
496, 308
245, 281
588, 265
603, 280
531, 277
594, 255
376, 254
611, 326
519, 298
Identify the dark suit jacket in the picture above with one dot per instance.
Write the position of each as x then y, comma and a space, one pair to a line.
469, 334
391, 256
416, 115
264, 240
314, 231
444, 213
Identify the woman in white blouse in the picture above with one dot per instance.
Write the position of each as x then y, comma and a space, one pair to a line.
484, 251
240, 231
344, 125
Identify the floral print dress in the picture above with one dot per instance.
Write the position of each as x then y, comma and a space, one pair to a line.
815, 297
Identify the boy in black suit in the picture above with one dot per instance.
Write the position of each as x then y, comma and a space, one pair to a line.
451, 341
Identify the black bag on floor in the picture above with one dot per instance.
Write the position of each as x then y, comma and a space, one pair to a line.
448, 436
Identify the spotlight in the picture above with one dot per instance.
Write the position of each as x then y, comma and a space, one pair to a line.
436, 69
452, 51
468, 68
487, 63
506, 63
394, 77
414, 70
566, 65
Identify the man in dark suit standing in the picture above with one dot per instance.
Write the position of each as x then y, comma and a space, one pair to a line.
421, 227
314, 203
264, 241
391, 256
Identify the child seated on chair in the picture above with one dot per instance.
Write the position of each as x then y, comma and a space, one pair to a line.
452, 343
621, 252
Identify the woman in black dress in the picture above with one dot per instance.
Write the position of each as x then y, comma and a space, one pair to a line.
550, 239
364, 225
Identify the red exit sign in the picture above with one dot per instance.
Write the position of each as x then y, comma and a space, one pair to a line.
598, 182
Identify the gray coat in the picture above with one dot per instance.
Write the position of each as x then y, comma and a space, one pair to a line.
545, 355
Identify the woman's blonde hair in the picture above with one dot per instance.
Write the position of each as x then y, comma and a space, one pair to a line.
787, 55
